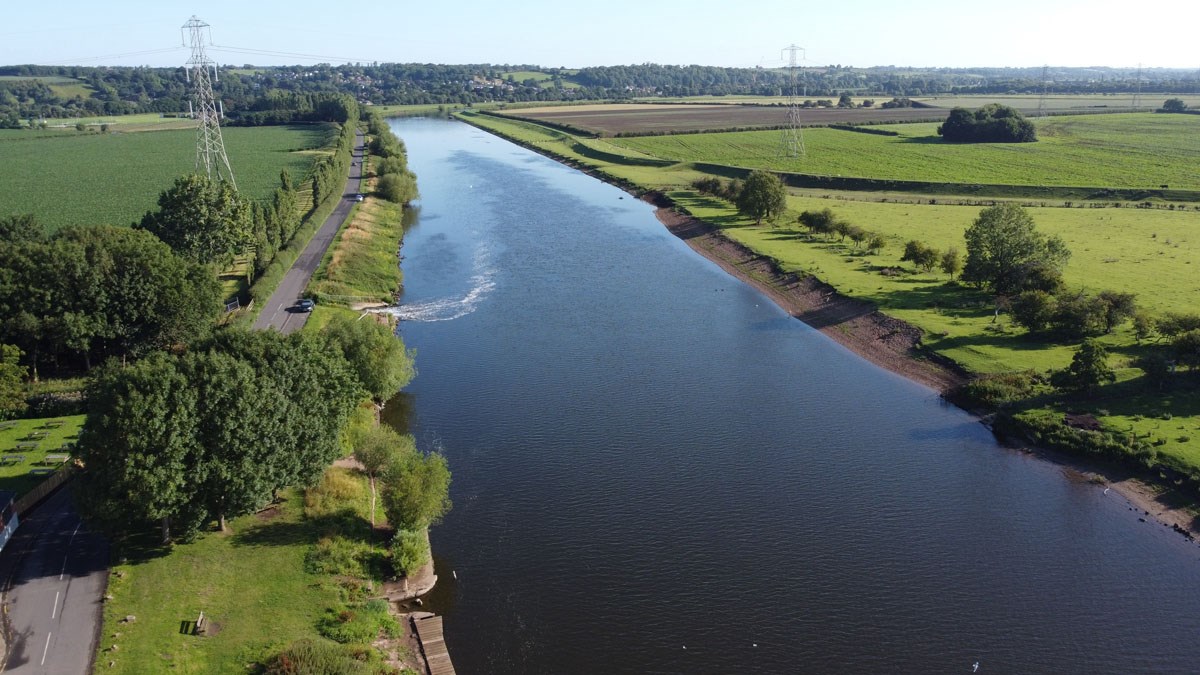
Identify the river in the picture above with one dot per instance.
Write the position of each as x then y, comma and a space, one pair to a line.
657, 470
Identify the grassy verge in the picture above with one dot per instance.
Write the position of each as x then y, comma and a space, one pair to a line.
362, 264
1150, 252
16, 476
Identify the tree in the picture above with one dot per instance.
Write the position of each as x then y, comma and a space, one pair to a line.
875, 243
1006, 253
23, 227
1117, 308
950, 262
1174, 105
992, 123
1088, 370
398, 188
12, 382
410, 551
762, 196
920, 255
416, 490
375, 353
379, 449
1033, 310
1186, 348
818, 222
201, 220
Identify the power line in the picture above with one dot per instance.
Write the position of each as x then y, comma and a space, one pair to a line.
210, 146
67, 62
267, 52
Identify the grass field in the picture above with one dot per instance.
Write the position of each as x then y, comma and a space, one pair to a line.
632, 118
124, 123
16, 476
85, 179
250, 582
1124, 150
1058, 102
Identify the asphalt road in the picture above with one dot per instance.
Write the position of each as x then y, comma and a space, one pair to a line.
55, 571
280, 311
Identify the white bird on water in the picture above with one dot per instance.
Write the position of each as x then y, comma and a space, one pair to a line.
975, 667
1106, 490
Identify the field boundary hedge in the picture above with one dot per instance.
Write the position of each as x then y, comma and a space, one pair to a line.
851, 184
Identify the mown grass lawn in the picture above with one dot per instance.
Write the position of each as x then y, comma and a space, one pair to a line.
250, 582
16, 476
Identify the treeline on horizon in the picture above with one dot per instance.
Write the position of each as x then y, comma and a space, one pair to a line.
127, 90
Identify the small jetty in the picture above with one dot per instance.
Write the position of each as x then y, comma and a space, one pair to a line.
428, 628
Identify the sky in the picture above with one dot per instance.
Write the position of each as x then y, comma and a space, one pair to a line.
740, 33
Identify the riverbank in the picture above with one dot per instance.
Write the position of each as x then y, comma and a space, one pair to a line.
896, 346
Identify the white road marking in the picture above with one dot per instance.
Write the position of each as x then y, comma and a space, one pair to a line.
68, 553
46, 648
54, 609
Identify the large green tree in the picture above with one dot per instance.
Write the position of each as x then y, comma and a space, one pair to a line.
762, 196
214, 433
1088, 370
376, 354
1007, 254
203, 220
12, 382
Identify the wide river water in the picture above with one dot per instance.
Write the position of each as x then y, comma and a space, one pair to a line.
657, 470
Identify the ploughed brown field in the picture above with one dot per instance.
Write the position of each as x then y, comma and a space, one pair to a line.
610, 120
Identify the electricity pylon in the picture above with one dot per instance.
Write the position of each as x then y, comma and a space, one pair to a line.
204, 107
792, 145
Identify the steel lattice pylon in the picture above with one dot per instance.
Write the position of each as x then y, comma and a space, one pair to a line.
792, 145
210, 146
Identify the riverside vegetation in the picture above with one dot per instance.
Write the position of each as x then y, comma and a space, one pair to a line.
191, 422
1124, 286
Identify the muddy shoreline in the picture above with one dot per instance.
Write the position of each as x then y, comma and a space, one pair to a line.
896, 345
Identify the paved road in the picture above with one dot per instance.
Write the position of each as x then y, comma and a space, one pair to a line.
55, 571
278, 312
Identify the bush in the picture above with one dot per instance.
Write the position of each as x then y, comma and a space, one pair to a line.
358, 624
992, 123
388, 165
399, 188
339, 556
319, 657
410, 551
1001, 388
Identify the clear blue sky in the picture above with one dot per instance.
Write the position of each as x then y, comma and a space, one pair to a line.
562, 33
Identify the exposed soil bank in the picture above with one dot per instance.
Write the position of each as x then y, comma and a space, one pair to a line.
895, 345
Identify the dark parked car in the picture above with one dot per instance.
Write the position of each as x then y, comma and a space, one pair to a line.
305, 305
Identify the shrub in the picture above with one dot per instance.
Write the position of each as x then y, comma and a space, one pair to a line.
1002, 388
399, 188
319, 657
360, 623
338, 556
410, 550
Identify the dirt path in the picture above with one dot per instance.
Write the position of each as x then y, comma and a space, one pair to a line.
895, 345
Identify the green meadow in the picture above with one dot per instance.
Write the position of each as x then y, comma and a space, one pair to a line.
1138, 150
67, 178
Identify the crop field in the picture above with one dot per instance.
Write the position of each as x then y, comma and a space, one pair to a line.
71, 178
124, 123
1059, 102
1126, 150
610, 120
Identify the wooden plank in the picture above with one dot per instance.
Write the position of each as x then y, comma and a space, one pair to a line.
433, 645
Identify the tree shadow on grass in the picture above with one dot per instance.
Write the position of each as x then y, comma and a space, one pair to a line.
345, 523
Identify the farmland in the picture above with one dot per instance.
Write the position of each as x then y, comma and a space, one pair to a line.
69, 178
610, 120
63, 87
1125, 150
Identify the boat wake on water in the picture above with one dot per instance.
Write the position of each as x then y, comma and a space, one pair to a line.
448, 309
